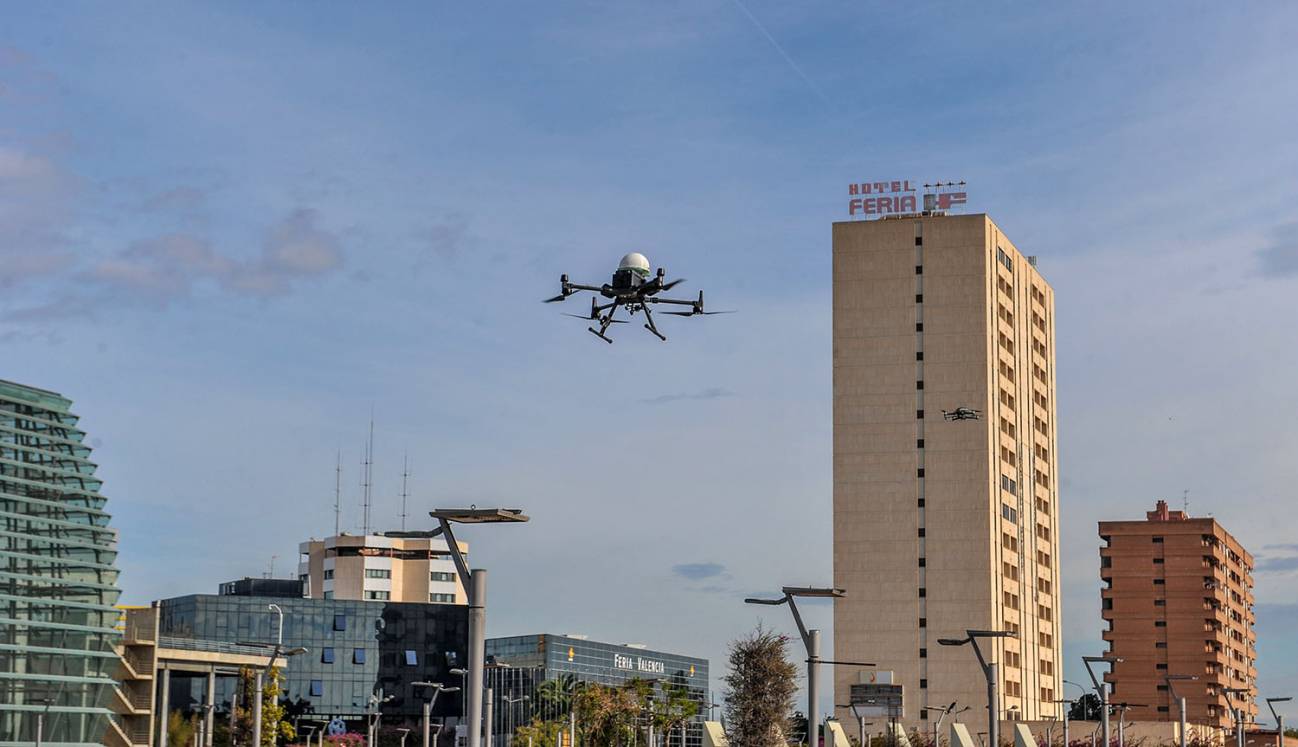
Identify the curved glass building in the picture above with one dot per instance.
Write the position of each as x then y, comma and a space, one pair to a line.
58, 577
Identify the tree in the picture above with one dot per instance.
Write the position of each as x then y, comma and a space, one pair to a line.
759, 690
1086, 708
273, 723
180, 729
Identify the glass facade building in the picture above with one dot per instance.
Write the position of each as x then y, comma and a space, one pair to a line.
355, 649
58, 576
518, 664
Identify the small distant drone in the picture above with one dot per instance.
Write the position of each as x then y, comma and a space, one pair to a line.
634, 289
962, 413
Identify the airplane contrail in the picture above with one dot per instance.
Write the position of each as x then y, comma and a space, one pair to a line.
814, 88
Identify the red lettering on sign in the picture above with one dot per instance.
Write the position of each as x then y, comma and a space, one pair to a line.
853, 205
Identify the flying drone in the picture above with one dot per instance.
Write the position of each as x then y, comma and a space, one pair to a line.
633, 288
961, 413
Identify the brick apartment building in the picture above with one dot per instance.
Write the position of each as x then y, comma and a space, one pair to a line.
1178, 601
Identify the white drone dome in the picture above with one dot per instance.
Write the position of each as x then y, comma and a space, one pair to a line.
636, 262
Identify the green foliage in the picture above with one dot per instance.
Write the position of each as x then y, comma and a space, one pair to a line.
180, 728
273, 724
759, 690
541, 733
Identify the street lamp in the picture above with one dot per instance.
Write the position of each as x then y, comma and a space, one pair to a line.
937, 728
1122, 717
375, 702
276, 651
989, 671
475, 587
1279, 720
860, 721
1239, 712
1101, 689
437, 688
1180, 700
40, 717
1067, 706
510, 702
404, 734
811, 640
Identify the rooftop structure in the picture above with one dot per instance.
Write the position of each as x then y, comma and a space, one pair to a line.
381, 568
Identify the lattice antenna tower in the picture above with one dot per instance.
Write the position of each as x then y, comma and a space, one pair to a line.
366, 480
405, 478
338, 493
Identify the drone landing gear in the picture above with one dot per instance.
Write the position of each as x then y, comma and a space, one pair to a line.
649, 323
599, 334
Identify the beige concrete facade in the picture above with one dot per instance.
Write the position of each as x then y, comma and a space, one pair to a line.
942, 526
1178, 601
380, 568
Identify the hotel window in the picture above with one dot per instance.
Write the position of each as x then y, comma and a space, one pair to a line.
378, 573
923, 684
317, 688
921, 531
1009, 514
340, 622
923, 653
919, 298
923, 622
441, 576
328, 574
921, 562
919, 443
919, 355
1159, 581
919, 269
327, 655
1160, 623
919, 385
919, 414
1157, 540
444, 598
923, 592
919, 326
412, 659
378, 595
1158, 560
358, 656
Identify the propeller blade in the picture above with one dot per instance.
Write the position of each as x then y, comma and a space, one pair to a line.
672, 284
698, 313
678, 313
559, 297
579, 316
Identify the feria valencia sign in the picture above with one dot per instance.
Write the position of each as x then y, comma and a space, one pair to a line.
896, 198
639, 664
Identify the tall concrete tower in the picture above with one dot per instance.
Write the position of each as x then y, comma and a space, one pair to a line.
945, 524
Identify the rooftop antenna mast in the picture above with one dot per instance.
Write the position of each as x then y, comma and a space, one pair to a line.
366, 481
1185, 501
405, 476
338, 493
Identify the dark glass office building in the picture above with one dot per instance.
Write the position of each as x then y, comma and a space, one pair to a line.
58, 576
355, 649
518, 664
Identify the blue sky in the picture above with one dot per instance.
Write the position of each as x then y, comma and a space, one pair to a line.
231, 232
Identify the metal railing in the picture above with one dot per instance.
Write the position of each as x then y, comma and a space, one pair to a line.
201, 644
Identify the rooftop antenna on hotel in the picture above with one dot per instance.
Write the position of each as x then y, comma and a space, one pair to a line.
338, 492
1185, 502
366, 483
405, 476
